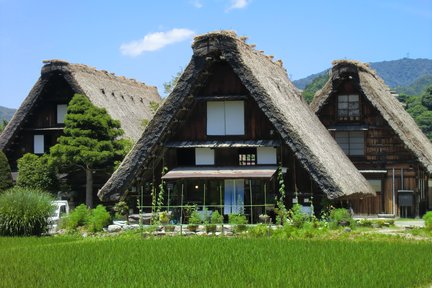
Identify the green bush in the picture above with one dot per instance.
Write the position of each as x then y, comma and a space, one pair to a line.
260, 230
428, 220
297, 217
24, 212
340, 217
77, 218
99, 218
37, 172
92, 220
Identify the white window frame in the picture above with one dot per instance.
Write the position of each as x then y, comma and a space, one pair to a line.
225, 118
204, 156
38, 144
266, 155
61, 113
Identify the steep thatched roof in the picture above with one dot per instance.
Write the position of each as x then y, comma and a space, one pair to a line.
378, 93
125, 99
269, 86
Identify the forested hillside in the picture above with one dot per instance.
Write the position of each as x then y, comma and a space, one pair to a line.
396, 73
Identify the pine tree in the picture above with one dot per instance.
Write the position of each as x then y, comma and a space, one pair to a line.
5, 173
90, 142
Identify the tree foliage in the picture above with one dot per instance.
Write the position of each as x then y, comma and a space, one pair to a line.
420, 108
37, 172
6, 181
90, 141
169, 86
426, 99
312, 88
3, 124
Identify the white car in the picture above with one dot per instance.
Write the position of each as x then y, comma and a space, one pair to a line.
61, 210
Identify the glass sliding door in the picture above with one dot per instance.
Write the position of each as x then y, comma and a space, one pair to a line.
233, 196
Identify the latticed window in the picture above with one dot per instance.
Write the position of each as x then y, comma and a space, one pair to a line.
348, 107
351, 142
247, 156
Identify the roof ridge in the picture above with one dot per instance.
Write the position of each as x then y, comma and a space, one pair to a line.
58, 64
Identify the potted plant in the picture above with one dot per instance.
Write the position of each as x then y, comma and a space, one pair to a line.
239, 222
194, 221
264, 218
164, 217
215, 219
121, 210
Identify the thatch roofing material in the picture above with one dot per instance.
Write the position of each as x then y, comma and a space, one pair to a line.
125, 99
276, 96
380, 96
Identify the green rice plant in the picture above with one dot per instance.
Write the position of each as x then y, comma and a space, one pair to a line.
77, 218
99, 218
428, 220
212, 262
24, 212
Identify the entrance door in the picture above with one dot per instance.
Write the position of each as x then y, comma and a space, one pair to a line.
234, 196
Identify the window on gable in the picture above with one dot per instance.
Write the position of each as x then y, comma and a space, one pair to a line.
225, 118
38, 144
348, 107
351, 142
61, 113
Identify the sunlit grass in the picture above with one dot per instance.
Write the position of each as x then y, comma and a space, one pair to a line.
212, 262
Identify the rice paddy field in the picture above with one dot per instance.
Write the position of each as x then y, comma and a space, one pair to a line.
212, 262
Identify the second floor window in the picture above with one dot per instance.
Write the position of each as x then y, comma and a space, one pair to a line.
225, 118
348, 108
351, 142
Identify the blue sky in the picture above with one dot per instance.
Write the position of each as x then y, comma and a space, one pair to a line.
150, 40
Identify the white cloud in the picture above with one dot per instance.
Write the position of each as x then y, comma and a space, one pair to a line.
197, 3
155, 41
237, 4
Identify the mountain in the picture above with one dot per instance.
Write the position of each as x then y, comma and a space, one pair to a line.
6, 113
396, 73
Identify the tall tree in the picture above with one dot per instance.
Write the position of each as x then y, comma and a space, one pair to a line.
426, 98
90, 142
5, 173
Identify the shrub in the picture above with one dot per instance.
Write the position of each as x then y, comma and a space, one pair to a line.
5, 173
77, 218
37, 172
297, 217
24, 212
340, 217
99, 218
93, 220
428, 220
121, 210
260, 230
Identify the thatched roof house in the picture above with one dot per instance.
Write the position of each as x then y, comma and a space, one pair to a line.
380, 137
373, 88
125, 99
267, 84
